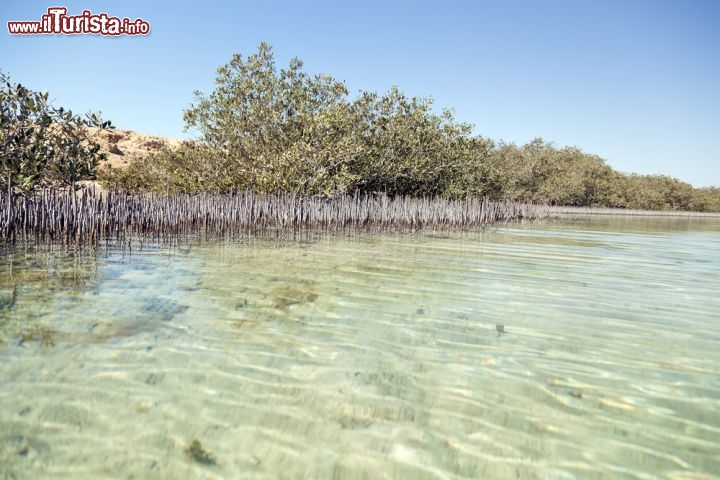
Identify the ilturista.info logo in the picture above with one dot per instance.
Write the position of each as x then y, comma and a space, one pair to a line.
57, 22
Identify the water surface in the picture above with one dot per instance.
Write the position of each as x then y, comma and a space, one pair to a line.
584, 349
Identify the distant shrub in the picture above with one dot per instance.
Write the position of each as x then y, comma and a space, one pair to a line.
190, 168
705, 199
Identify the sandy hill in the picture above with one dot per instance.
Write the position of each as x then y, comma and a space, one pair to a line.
124, 146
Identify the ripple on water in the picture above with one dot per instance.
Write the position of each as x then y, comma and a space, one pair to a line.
369, 357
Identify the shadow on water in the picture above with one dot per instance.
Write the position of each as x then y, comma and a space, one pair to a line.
32, 275
40, 281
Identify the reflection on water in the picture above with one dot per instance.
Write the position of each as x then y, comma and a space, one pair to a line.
583, 350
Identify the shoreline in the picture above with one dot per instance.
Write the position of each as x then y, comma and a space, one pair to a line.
91, 215
601, 211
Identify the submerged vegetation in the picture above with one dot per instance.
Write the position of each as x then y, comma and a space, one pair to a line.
198, 453
297, 293
34, 275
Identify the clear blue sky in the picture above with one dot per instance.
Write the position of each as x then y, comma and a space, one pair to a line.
636, 82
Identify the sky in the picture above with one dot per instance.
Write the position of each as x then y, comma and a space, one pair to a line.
636, 82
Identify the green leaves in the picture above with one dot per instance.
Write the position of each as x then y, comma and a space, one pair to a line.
407, 149
289, 131
284, 130
270, 130
40, 145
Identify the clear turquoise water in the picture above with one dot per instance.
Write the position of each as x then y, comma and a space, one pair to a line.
369, 356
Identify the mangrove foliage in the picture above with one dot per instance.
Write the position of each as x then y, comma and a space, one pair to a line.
42, 145
280, 130
277, 131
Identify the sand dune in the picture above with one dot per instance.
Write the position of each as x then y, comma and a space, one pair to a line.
124, 146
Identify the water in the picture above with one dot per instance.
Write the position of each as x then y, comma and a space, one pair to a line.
576, 350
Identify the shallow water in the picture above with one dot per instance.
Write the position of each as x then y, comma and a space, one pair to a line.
584, 349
